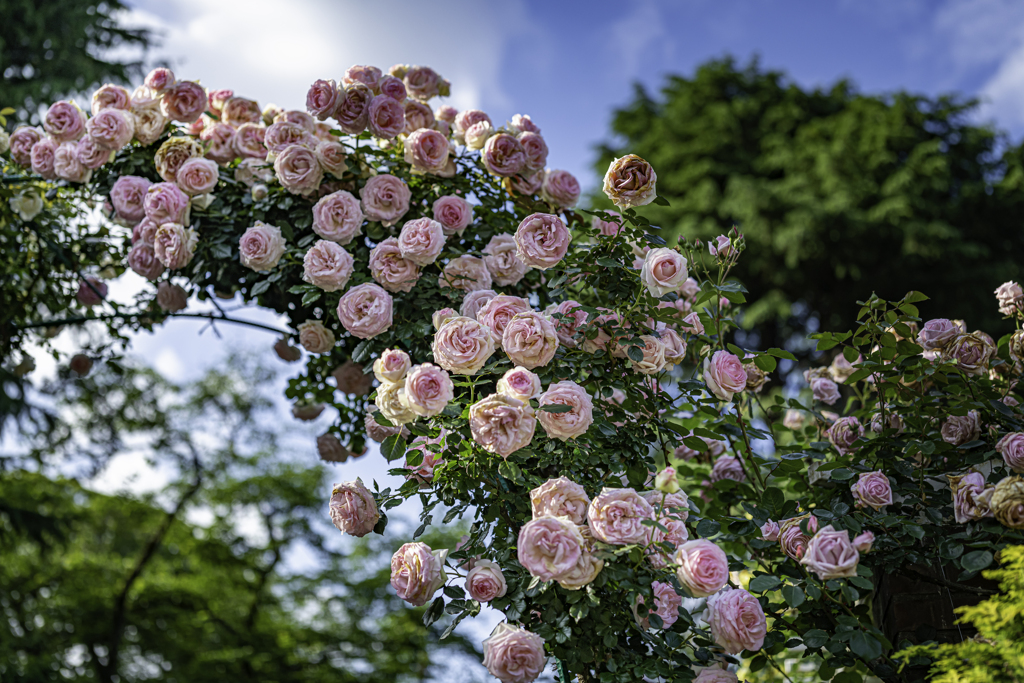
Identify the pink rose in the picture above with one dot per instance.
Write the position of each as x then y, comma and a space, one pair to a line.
825, 390
514, 655
959, 429
442, 316
350, 379
111, 129
297, 170
1011, 447
535, 150
970, 497
703, 567
385, 198
935, 334
426, 150
468, 273
666, 603
22, 140
428, 389
377, 431
502, 262
160, 79
353, 509
417, 116
608, 228
393, 88
110, 97
360, 73
184, 101
464, 120
653, 360
175, 245
724, 375
737, 621
864, 541
675, 348
573, 423
502, 424
215, 99
149, 121
248, 141
322, 99
392, 365
844, 432
424, 472
499, 310
171, 297
715, 674
453, 213
503, 155
238, 111
353, 110
477, 135
462, 345
560, 498
616, 517
91, 291
165, 203
330, 449
446, 113
485, 582
283, 134
475, 301
1010, 297
971, 352
569, 317
524, 185
417, 572
64, 122
792, 538
327, 265
198, 176
390, 269
338, 217
42, 158
142, 259
174, 152
386, 117
727, 467
770, 531
315, 337
522, 123
872, 490
831, 555
261, 247
664, 271
542, 240
550, 547
128, 196
560, 188
90, 155
520, 384
331, 157
365, 311
67, 166
630, 182
421, 241
692, 324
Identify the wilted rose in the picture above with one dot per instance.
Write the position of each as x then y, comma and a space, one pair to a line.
630, 181
353, 509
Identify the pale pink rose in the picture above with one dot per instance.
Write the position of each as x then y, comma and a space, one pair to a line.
935, 334
298, 170
165, 203
542, 240
42, 158
525, 185
174, 152
386, 117
792, 538
872, 490
392, 365
485, 582
421, 241
831, 555
353, 509
315, 337
110, 97
522, 123
535, 150
171, 297
261, 247
630, 182
462, 345
90, 155
353, 110
442, 316
844, 432
675, 348
724, 375
841, 369
322, 99
692, 324
476, 136
426, 150
251, 170
722, 248
285, 351
22, 140
428, 389
417, 116
385, 198
474, 302
608, 228
238, 111
727, 467
1011, 447
446, 113
959, 429
568, 317
64, 122
390, 269
377, 431
91, 291
770, 531
453, 213
864, 541
432, 459
570, 424
150, 122
67, 166
423, 83
331, 156
338, 217
417, 572
502, 261
794, 419
468, 273
160, 79
703, 567
284, 134
664, 271
560, 498
327, 265
464, 120
736, 620
175, 245
111, 129
393, 88
503, 155
366, 311
1010, 298
666, 603
330, 449
560, 188
350, 379
520, 384
894, 422
499, 310
514, 655
970, 497
360, 73
184, 101
247, 142
715, 674
825, 390
142, 259
971, 352
616, 517
128, 197
215, 99
502, 424
550, 547
198, 176
653, 360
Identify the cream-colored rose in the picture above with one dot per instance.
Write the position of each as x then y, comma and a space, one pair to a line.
391, 366
316, 338
27, 204
392, 404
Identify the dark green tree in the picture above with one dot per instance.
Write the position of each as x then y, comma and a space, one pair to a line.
838, 193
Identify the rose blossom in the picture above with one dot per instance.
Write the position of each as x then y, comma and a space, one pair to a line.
524, 185
959, 429
353, 509
715, 674
428, 389
453, 213
327, 265
285, 351
1007, 502
315, 337
571, 424
442, 316
692, 324
283, 135
1010, 298
485, 582
514, 655
365, 311
175, 245
353, 109
664, 271
261, 247
42, 158
184, 101
392, 404
142, 259
520, 384
417, 572
90, 155
110, 96
666, 602
502, 262
736, 620
338, 217
111, 129
535, 150
569, 317
91, 291
394, 273
360, 73
630, 182
197, 176
560, 188
792, 537
462, 345
322, 99
464, 120
825, 390
377, 431
971, 352
872, 490
864, 542
560, 498
499, 310
64, 122
238, 111
426, 150
831, 555
476, 136
770, 531
675, 350
393, 88
173, 153
171, 297
608, 228
421, 241
423, 473
1011, 447
502, 424
475, 301
330, 449
727, 467
703, 567
971, 497
67, 166
541, 240
724, 375
844, 432
331, 157
385, 198
128, 195
468, 273
550, 547
935, 334
653, 360
22, 140
503, 155
297, 170
386, 117
616, 517
27, 204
